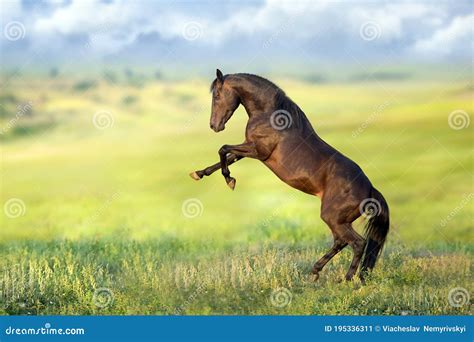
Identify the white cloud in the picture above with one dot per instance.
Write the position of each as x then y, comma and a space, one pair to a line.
11, 10
419, 28
449, 40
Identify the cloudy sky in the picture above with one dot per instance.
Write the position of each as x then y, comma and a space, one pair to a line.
244, 32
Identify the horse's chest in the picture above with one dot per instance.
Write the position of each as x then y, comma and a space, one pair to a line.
292, 170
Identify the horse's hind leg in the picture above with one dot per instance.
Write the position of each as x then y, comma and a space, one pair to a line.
357, 243
336, 248
340, 222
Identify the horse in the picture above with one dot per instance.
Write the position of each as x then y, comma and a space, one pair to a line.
280, 135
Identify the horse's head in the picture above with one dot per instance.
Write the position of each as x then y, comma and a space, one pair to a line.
225, 101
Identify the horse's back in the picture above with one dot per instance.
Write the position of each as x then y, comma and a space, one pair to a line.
311, 165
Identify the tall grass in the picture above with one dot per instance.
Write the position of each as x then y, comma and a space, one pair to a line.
104, 207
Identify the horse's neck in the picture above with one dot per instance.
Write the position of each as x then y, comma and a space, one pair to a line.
255, 109
254, 101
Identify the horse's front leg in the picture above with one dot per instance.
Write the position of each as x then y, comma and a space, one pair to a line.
197, 175
247, 149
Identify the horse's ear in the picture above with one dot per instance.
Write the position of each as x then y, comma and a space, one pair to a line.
219, 75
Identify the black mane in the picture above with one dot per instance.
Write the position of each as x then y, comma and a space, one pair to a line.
261, 80
251, 77
281, 100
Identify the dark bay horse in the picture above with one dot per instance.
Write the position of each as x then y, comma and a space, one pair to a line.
280, 135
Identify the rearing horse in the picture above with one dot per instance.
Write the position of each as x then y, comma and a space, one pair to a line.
280, 135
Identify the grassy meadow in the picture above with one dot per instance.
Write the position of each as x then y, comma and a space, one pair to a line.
100, 215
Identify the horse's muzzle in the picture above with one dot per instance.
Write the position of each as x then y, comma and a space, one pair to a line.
217, 128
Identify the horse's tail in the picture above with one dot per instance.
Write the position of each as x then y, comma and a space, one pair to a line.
376, 230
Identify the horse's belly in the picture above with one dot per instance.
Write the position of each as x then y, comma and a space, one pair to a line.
297, 173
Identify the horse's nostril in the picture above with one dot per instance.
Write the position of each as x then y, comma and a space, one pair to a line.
212, 126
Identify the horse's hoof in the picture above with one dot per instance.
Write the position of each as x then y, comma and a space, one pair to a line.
231, 183
194, 176
315, 277
348, 279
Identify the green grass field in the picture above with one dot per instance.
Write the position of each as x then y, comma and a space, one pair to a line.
103, 218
